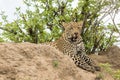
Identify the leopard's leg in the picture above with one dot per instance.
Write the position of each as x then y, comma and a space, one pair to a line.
81, 52
82, 64
88, 60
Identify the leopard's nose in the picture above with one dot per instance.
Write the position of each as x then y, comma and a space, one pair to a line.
76, 33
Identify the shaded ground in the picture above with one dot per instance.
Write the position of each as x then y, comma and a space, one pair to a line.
27, 61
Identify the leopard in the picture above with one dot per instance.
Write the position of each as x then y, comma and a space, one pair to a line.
71, 43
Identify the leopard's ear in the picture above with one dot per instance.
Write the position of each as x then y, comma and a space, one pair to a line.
64, 24
80, 24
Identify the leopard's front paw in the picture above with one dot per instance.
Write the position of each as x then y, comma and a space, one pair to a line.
97, 68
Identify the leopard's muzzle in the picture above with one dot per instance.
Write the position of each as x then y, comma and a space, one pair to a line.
74, 37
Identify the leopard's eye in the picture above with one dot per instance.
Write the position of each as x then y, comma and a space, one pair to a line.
71, 28
78, 27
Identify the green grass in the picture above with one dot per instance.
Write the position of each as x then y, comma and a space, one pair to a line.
115, 73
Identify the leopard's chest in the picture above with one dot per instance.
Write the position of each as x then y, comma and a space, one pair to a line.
69, 49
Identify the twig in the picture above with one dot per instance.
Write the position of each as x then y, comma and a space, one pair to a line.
113, 20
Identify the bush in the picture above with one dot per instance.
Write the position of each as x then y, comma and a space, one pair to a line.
43, 22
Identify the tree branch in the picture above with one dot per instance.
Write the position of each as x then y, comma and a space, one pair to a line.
20, 28
113, 20
10, 31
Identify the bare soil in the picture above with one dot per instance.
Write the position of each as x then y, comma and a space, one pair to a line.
27, 61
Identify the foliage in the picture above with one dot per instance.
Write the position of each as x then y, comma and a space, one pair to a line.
117, 75
42, 22
1, 40
107, 67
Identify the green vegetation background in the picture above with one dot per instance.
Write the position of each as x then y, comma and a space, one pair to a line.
42, 22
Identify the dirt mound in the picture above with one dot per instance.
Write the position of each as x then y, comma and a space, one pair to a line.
111, 56
27, 61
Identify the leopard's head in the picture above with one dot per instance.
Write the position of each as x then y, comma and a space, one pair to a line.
72, 31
